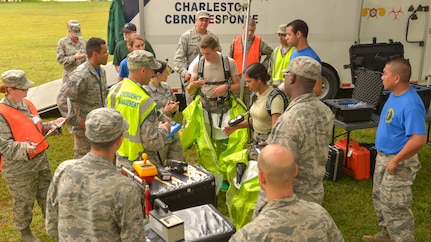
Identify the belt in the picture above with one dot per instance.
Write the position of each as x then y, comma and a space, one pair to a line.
216, 83
385, 155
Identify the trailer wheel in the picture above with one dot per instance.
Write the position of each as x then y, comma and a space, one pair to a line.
329, 84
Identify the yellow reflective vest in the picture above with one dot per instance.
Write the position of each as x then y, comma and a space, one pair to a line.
281, 63
131, 100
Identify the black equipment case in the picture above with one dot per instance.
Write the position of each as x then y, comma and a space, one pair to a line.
192, 188
201, 223
373, 56
334, 163
373, 154
365, 96
423, 92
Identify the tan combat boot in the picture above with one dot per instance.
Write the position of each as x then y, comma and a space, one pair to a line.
27, 236
381, 236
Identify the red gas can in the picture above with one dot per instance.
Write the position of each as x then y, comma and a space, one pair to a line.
358, 159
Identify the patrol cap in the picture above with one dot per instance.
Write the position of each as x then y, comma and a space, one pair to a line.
129, 27
281, 29
202, 14
142, 58
75, 27
104, 125
16, 79
305, 67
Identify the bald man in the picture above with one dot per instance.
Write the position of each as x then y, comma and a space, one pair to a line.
285, 217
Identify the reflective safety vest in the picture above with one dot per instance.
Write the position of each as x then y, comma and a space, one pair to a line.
281, 63
23, 128
131, 100
253, 54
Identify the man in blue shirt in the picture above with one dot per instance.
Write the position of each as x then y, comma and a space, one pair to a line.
400, 135
296, 35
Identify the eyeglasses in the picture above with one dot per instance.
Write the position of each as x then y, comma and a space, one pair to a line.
285, 74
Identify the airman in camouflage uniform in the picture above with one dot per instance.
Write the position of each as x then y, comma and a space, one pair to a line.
400, 135
88, 200
137, 107
71, 49
188, 47
304, 128
87, 88
26, 178
162, 94
285, 217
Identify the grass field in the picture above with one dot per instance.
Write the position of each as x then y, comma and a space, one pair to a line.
29, 34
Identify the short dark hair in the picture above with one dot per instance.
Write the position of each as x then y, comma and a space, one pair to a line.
208, 42
257, 70
299, 25
401, 67
94, 45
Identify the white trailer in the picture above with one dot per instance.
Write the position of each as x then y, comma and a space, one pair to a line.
334, 26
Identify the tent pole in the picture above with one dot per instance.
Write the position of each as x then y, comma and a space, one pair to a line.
141, 18
244, 44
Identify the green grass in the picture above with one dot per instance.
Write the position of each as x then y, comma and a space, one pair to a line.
30, 32
29, 36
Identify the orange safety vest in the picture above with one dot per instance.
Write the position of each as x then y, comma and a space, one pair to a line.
253, 54
23, 128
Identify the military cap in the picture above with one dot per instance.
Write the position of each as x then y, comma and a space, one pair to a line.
16, 79
281, 29
304, 66
104, 125
202, 14
138, 59
75, 27
129, 27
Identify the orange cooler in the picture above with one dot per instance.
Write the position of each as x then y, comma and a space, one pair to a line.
358, 159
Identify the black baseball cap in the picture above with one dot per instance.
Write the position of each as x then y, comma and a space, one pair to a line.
129, 27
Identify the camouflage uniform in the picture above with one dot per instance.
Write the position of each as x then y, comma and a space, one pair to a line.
304, 128
173, 147
66, 49
89, 200
87, 91
290, 219
187, 50
390, 193
161, 95
27, 179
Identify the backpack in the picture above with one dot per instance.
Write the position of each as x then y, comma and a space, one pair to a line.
226, 68
271, 97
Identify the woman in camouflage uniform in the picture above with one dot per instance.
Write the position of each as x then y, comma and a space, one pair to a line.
167, 106
26, 169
